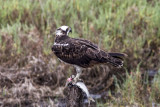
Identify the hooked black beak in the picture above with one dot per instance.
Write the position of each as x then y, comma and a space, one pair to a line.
70, 30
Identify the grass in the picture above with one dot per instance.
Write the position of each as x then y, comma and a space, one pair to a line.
129, 26
135, 92
112, 25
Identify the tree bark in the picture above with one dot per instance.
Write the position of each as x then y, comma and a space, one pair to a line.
74, 96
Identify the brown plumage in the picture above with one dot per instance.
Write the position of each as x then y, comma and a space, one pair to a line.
82, 53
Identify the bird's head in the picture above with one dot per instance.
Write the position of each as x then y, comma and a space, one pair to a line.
63, 30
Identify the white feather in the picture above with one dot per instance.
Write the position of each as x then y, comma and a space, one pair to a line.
59, 44
64, 28
59, 33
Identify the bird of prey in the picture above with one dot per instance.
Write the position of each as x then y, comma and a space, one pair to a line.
82, 53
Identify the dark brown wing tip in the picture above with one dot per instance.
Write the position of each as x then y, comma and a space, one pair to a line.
125, 55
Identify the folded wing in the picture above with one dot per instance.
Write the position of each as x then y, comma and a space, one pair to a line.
85, 54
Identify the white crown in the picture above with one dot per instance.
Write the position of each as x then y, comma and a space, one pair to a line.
64, 28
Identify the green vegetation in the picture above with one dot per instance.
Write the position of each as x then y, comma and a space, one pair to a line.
137, 92
130, 26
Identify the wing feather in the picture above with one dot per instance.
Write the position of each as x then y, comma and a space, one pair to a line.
78, 52
83, 53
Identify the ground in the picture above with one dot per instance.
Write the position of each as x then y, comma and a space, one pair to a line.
31, 75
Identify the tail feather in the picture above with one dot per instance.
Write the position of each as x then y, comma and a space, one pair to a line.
118, 55
115, 59
115, 62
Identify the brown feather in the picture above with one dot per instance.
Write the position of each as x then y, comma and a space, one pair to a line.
83, 52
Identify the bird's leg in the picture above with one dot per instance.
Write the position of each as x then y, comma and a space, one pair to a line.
79, 71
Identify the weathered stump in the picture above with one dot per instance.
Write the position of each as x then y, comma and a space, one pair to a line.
74, 96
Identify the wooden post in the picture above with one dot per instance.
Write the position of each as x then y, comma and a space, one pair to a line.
74, 96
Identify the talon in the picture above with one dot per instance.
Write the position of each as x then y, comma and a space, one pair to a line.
77, 80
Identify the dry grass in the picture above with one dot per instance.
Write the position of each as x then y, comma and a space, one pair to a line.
31, 75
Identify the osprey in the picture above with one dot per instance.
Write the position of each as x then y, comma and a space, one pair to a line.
82, 53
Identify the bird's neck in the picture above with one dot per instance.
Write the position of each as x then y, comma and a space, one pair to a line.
60, 38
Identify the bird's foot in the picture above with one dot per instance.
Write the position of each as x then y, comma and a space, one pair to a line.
75, 80
70, 80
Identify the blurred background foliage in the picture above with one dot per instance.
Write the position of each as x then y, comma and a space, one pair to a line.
127, 26
130, 26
